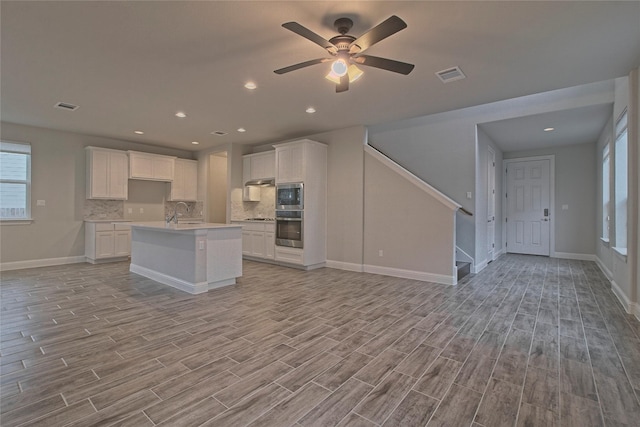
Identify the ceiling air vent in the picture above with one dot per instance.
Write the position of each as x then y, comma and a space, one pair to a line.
66, 106
219, 133
450, 75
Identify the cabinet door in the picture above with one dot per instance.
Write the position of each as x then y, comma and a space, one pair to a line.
247, 243
122, 243
269, 245
177, 185
163, 168
118, 176
98, 174
104, 244
289, 164
257, 243
141, 166
246, 169
190, 180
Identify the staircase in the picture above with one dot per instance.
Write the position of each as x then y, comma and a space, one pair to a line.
463, 268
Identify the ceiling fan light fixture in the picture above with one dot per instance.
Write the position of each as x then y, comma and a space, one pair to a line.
333, 77
354, 73
339, 67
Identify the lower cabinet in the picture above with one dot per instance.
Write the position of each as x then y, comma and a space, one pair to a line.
105, 241
258, 239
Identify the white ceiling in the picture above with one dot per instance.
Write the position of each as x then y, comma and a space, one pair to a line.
132, 65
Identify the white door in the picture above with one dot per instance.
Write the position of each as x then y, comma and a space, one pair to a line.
491, 203
528, 213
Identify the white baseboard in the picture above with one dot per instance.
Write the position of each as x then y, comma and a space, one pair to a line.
635, 310
579, 257
348, 266
499, 253
410, 274
479, 267
47, 262
608, 274
619, 293
174, 282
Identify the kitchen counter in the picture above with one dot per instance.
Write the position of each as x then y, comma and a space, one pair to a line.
268, 221
191, 257
101, 220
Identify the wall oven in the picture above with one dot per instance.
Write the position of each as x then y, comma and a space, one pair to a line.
290, 196
289, 228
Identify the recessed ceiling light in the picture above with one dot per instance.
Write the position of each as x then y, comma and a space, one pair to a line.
219, 133
181, 114
250, 85
66, 106
241, 130
310, 110
195, 142
138, 132
548, 129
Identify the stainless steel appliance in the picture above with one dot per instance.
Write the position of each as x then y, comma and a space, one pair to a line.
290, 196
289, 228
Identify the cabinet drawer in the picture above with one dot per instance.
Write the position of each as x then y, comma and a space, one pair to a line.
104, 226
290, 255
251, 226
121, 227
270, 228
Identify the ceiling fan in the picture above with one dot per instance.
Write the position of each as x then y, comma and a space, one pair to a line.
347, 50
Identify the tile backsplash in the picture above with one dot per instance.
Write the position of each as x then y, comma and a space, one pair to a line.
265, 208
103, 209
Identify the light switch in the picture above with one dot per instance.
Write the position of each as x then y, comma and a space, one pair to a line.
41, 203
141, 210
201, 245
468, 194
129, 210
565, 207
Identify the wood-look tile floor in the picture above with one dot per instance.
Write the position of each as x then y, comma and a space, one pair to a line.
529, 341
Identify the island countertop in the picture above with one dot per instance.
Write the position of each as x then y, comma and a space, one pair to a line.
163, 226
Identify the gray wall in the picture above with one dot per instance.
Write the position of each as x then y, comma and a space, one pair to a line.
414, 230
575, 186
58, 177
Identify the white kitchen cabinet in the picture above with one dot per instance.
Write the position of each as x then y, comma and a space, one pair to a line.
152, 167
290, 163
106, 241
258, 166
184, 186
107, 174
258, 239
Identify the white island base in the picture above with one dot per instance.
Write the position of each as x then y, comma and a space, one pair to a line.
191, 257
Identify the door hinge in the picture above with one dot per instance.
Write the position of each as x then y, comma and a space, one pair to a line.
505, 195
505, 220
506, 244
494, 164
493, 245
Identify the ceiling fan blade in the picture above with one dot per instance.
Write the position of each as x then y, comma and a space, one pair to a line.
343, 86
385, 64
380, 32
301, 65
310, 35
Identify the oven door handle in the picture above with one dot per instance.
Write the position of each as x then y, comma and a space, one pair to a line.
288, 219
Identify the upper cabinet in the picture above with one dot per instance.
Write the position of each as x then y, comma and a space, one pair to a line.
185, 181
107, 174
152, 167
290, 162
258, 166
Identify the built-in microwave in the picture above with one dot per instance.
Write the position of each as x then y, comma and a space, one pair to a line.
290, 196
290, 228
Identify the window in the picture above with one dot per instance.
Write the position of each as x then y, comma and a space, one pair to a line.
15, 181
621, 191
606, 179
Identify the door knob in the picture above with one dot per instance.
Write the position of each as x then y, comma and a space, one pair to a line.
545, 219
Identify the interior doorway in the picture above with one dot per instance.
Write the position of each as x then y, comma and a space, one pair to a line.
529, 205
217, 188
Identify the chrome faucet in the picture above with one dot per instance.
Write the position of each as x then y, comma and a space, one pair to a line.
174, 217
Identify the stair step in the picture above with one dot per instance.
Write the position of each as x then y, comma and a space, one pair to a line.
464, 268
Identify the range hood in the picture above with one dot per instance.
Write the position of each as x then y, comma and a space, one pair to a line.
263, 182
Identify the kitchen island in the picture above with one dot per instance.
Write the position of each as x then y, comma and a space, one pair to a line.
191, 257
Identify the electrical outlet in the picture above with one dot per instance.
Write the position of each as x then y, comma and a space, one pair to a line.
141, 210
41, 203
468, 194
380, 252
201, 245
565, 207
129, 210
102, 215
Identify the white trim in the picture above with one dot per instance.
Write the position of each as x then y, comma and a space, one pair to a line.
498, 254
16, 221
174, 282
608, 274
348, 266
410, 274
433, 192
35, 263
634, 308
465, 257
619, 293
621, 253
552, 199
480, 266
569, 255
